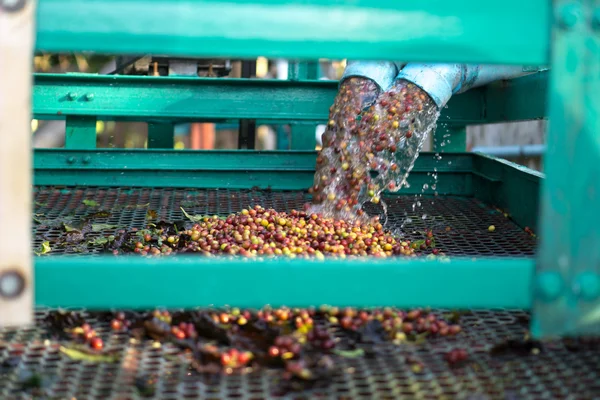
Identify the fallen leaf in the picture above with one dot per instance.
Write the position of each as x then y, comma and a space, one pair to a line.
44, 248
81, 354
193, 218
69, 228
99, 241
90, 203
102, 227
349, 353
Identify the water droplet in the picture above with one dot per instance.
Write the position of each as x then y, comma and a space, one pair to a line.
425, 186
449, 162
424, 216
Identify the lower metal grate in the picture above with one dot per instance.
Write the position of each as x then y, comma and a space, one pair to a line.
460, 225
556, 370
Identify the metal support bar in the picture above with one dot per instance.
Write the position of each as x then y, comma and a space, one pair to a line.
136, 282
80, 132
193, 99
247, 131
303, 135
517, 99
16, 275
278, 170
449, 138
567, 283
247, 134
466, 31
160, 135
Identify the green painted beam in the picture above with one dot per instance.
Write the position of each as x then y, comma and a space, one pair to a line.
172, 99
509, 186
98, 282
80, 132
161, 135
303, 135
435, 30
518, 99
279, 170
450, 138
567, 284
183, 98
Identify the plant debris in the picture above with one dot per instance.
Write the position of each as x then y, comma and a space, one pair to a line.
44, 248
298, 343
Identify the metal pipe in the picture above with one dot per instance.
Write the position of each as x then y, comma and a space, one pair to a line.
528, 150
383, 73
441, 81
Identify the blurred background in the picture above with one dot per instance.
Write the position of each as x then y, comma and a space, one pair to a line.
521, 142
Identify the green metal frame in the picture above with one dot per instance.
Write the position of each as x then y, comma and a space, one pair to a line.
193, 282
300, 101
568, 281
566, 292
191, 99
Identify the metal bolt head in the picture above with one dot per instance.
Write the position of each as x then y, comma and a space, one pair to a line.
70, 160
549, 286
569, 15
72, 95
89, 96
12, 5
12, 284
587, 286
87, 159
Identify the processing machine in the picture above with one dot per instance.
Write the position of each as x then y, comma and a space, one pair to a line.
536, 275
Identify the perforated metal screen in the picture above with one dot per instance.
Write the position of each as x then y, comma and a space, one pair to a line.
553, 370
460, 225
557, 370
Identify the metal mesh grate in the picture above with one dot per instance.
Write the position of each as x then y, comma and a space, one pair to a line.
560, 370
460, 225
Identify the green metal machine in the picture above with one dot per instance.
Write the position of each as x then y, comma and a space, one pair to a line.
558, 281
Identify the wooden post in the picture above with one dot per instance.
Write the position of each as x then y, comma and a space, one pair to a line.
16, 52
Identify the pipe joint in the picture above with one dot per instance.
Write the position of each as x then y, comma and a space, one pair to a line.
383, 73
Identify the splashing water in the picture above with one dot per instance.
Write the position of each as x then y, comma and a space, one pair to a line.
366, 152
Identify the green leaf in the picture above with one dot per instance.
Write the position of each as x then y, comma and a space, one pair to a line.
44, 248
193, 218
69, 228
81, 354
102, 227
417, 243
98, 241
90, 203
349, 353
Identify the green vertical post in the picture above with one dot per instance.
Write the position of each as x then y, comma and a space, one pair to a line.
450, 138
567, 282
303, 135
161, 135
80, 132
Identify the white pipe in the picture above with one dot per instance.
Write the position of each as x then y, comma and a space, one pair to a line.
531, 150
441, 81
